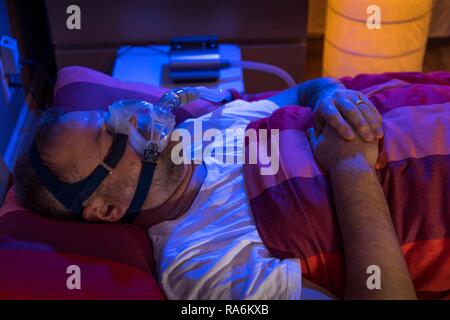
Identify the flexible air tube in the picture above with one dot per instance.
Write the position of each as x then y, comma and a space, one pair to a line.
265, 68
214, 95
178, 97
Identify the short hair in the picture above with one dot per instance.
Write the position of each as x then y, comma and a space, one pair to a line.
29, 188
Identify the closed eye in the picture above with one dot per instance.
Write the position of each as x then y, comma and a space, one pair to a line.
109, 131
103, 142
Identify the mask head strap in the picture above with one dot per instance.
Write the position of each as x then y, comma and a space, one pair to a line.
145, 180
73, 195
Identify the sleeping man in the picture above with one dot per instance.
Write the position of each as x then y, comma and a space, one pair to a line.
198, 215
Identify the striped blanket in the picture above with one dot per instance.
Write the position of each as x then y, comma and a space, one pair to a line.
294, 209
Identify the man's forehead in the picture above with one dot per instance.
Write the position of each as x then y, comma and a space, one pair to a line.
77, 139
79, 131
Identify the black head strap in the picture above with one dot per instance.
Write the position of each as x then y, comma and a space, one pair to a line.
73, 195
145, 180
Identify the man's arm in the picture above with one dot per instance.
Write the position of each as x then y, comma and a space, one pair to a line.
368, 234
367, 231
335, 105
305, 93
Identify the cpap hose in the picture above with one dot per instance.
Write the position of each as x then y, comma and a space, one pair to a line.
214, 95
179, 97
252, 65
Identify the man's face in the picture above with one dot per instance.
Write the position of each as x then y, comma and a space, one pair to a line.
81, 143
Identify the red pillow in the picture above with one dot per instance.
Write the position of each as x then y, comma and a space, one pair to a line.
80, 88
116, 260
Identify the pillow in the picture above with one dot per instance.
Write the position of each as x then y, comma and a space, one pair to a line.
80, 88
115, 260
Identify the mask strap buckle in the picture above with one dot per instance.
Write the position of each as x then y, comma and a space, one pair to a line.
151, 153
106, 167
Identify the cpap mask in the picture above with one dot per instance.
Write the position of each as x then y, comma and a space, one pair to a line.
154, 125
155, 122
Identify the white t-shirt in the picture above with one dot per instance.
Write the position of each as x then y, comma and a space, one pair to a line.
213, 251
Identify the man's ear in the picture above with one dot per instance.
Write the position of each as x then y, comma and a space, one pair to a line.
97, 210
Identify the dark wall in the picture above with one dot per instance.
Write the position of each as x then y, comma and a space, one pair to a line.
29, 25
108, 23
4, 20
267, 31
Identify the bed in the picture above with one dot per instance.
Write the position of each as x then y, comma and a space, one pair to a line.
118, 258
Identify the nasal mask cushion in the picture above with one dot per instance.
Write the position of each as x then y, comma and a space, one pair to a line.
151, 133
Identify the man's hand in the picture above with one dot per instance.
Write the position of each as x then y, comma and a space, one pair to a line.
368, 235
337, 106
333, 152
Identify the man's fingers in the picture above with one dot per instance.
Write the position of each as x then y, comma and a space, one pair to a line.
356, 118
319, 124
373, 117
332, 117
312, 138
